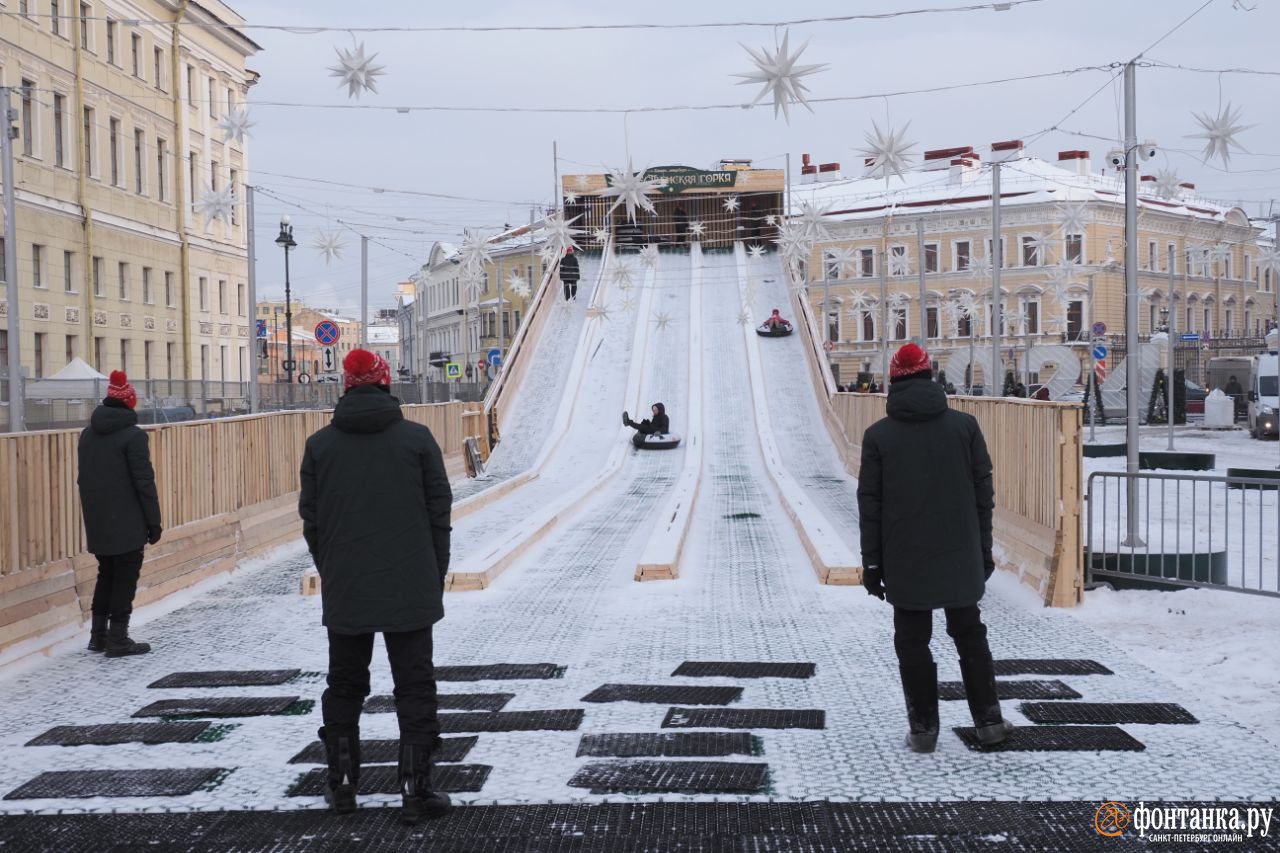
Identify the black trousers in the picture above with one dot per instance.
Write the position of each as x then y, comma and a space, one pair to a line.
912, 630
411, 669
570, 288
117, 582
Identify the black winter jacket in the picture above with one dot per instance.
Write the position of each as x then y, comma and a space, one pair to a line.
569, 271
117, 483
659, 424
375, 506
925, 500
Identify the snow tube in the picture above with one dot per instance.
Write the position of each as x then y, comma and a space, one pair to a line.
656, 441
765, 330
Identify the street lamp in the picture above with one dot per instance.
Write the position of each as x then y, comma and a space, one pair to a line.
286, 242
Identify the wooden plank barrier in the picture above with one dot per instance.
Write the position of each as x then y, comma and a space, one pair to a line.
228, 489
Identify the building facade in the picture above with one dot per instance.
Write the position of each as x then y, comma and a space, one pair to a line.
118, 105
307, 351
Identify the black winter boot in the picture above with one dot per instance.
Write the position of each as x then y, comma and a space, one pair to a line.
98, 634
119, 644
920, 687
342, 753
626, 420
418, 799
979, 676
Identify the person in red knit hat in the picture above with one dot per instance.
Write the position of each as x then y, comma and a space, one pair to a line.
926, 464
121, 513
375, 506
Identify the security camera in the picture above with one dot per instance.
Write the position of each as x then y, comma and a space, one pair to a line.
1116, 158
1147, 150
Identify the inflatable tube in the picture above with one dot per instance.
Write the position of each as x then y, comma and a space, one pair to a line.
664, 441
764, 330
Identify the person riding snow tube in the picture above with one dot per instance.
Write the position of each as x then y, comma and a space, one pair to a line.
652, 433
774, 327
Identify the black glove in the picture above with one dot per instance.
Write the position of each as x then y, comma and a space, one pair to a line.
873, 580
988, 568
153, 534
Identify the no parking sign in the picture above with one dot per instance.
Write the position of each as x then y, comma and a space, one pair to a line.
327, 333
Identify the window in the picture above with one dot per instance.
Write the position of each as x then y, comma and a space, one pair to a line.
231, 99
168, 360
204, 293
1075, 248
168, 289
204, 361
4, 277
222, 296
124, 354
1075, 319
1032, 309
24, 8
868, 325
830, 266
961, 252
55, 17
1152, 263
191, 85
28, 118
998, 257
964, 326
193, 167
68, 272
122, 270
240, 306
930, 257
99, 347
866, 262
1029, 254
159, 67
1171, 252
234, 179
1208, 320
59, 120
1191, 318
72, 347
88, 140
900, 323
113, 138
833, 325
85, 14
37, 265
147, 296
213, 97
97, 277
1226, 268
146, 359
113, 29
214, 168
39, 354
139, 172
136, 43
162, 191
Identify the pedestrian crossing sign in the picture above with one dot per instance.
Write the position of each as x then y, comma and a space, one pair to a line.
453, 370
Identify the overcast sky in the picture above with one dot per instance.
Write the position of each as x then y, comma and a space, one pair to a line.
505, 158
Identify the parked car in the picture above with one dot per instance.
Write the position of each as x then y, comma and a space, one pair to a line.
1195, 398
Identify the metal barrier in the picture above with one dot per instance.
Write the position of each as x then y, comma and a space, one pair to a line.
1189, 530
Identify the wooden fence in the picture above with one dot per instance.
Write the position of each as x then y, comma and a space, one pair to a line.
228, 488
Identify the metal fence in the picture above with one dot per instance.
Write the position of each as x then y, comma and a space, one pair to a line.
1187, 530
1193, 356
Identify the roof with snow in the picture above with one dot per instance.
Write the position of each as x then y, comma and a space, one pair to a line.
382, 334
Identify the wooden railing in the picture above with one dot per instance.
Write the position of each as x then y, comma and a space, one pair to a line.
228, 488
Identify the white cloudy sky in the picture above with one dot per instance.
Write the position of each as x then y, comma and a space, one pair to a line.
505, 158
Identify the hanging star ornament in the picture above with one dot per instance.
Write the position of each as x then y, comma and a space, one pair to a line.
581, 181
755, 253
627, 304
841, 259
897, 299
1060, 274
621, 275
979, 266
649, 254
731, 204
744, 318
630, 189
771, 220
887, 151
559, 233
1071, 219
662, 320
793, 244
330, 245
517, 286
696, 228
356, 71
235, 125
1039, 244
598, 312
859, 301
779, 76
474, 253
570, 198
216, 204
1167, 183
812, 220
1220, 253
899, 264
600, 235
549, 254
1219, 133
1269, 259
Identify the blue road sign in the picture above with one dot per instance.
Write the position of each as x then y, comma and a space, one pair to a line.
1099, 329
262, 328
494, 357
1191, 336
327, 333
1099, 352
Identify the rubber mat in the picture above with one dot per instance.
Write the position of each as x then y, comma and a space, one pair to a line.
512, 721
744, 718
78, 784
384, 779
120, 733
1107, 712
744, 669
1050, 666
388, 751
448, 702
218, 706
664, 694
228, 678
499, 672
672, 777
669, 745
1013, 690
1057, 739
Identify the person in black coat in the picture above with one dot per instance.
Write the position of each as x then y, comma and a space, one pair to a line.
925, 502
121, 513
659, 424
569, 274
375, 505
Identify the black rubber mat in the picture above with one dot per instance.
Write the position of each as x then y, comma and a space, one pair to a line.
745, 718
744, 669
1107, 712
448, 702
228, 678
1026, 689
383, 779
664, 694
672, 777
388, 751
78, 784
512, 721
667, 745
218, 706
120, 733
499, 672
1050, 666
1057, 739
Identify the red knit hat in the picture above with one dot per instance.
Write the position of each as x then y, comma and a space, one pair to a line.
909, 360
118, 388
362, 367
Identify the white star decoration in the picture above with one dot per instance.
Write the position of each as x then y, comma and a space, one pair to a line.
780, 76
731, 203
631, 190
621, 275
1039, 245
330, 245
559, 233
843, 258
628, 303
598, 312
771, 220
793, 244
897, 299
1269, 259
755, 253
1061, 273
1221, 253
216, 204
662, 320
1167, 182
979, 266
357, 71
859, 300
581, 181
696, 228
649, 254
600, 235
899, 264
1196, 260
474, 253
888, 151
517, 286
235, 125
1072, 219
812, 220
1219, 133
744, 319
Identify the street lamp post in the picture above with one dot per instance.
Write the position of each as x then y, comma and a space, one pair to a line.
286, 242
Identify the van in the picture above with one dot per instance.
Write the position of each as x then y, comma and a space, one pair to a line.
1264, 395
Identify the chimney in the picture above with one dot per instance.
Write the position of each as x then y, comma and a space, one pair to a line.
962, 171
804, 159
829, 172
1003, 152
808, 172
1075, 161
940, 158
1187, 185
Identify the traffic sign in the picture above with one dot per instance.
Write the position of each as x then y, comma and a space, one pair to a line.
289, 364
1100, 370
1191, 336
494, 356
1099, 329
328, 361
304, 378
453, 370
1100, 352
327, 333
262, 329
828, 346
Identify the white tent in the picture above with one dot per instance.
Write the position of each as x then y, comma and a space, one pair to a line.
76, 381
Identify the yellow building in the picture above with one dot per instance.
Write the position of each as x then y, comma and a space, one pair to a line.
118, 108
307, 351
